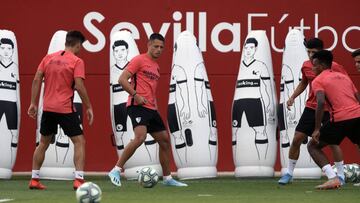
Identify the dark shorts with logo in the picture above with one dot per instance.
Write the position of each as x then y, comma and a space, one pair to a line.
120, 117
69, 122
333, 133
9, 109
306, 123
253, 111
147, 117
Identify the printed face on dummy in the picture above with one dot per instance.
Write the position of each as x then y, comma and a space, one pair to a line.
250, 50
6, 51
120, 53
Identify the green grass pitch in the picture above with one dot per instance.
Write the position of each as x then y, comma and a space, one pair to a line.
225, 189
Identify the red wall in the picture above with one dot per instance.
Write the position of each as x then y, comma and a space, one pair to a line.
34, 23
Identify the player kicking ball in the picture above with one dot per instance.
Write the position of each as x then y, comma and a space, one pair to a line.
340, 94
142, 109
306, 123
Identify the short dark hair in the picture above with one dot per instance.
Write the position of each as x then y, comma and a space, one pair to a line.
73, 37
7, 41
324, 57
314, 43
355, 53
120, 43
251, 41
157, 36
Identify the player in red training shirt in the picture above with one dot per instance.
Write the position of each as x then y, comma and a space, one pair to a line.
63, 72
142, 109
339, 93
306, 123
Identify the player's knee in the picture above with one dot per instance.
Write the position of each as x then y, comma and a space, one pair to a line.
43, 145
298, 140
311, 147
139, 139
78, 140
165, 144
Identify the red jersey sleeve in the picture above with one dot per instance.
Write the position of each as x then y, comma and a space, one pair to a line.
41, 66
134, 65
303, 75
317, 86
79, 69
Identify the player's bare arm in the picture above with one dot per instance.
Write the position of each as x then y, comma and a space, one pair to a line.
36, 84
299, 89
320, 98
80, 87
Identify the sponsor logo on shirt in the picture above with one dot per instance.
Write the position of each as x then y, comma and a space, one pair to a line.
7, 85
248, 83
172, 88
117, 88
58, 62
151, 75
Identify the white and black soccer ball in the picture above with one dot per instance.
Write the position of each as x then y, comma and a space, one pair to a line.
148, 177
88, 193
352, 173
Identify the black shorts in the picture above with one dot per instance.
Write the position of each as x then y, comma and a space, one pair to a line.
69, 122
143, 116
281, 117
120, 117
333, 133
174, 124
9, 109
212, 116
306, 123
253, 109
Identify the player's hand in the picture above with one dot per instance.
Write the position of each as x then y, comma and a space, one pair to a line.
289, 103
140, 100
90, 115
316, 135
32, 111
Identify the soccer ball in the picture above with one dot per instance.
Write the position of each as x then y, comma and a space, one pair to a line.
148, 177
88, 193
352, 173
